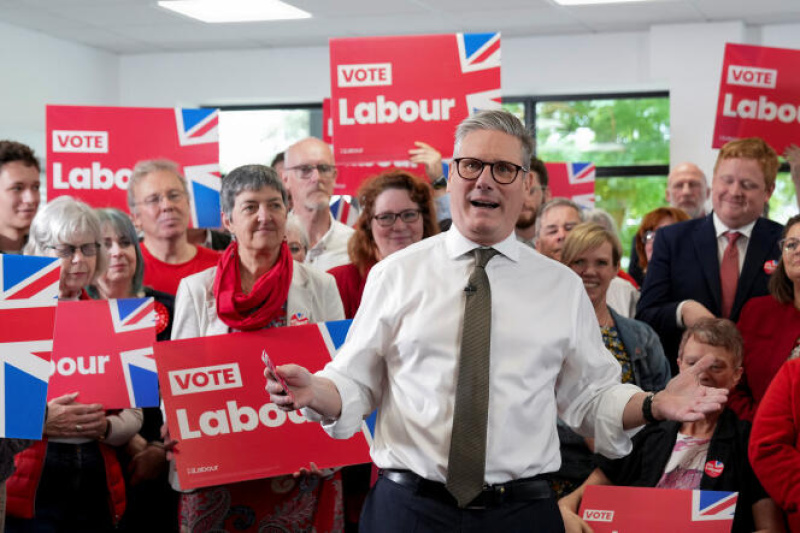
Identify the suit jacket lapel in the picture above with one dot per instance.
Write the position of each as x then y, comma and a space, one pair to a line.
705, 244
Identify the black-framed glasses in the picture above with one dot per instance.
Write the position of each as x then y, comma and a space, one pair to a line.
789, 246
388, 219
306, 171
66, 251
503, 172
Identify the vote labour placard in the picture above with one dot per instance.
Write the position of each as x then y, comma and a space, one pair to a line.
384, 96
218, 411
759, 96
610, 509
103, 349
28, 296
91, 152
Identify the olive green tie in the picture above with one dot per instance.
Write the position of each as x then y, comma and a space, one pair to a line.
466, 465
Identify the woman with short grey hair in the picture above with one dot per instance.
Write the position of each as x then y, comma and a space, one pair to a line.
256, 285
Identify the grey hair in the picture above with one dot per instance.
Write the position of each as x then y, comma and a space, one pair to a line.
248, 178
293, 223
497, 120
148, 166
121, 224
58, 222
557, 202
602, 217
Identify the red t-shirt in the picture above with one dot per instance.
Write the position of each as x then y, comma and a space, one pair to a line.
165, 277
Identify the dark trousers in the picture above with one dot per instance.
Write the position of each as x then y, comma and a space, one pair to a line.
393, 508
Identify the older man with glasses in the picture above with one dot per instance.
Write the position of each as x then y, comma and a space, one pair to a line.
309, 174
159, 203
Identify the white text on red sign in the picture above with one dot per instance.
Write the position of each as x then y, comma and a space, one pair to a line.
364, 75
383, 111
752, 76
94, 177
598, 515
761, 109
84, 365
205, 379
234, 419
83, 142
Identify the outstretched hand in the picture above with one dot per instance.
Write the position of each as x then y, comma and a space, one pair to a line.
299, 381
429, 156
685, 399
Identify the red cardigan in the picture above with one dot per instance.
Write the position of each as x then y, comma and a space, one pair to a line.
775, 441
770, 330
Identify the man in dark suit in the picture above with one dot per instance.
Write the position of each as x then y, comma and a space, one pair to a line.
711, 266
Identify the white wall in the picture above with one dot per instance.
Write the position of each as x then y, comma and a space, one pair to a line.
41, 70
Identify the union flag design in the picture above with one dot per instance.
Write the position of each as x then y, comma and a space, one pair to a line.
27, 314
574, 181
113, 366
713, 505
197, 126
344, 211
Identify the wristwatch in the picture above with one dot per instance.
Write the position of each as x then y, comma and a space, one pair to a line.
647, 409
440, 182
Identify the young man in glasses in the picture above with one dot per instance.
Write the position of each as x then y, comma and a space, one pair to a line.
159, 205
309, 173
469, 344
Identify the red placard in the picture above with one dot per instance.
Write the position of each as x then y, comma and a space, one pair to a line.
759, 96
218, 411
384, 96
91, 152
572, 180
609, 509
113, 365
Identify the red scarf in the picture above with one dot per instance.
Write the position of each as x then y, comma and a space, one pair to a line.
248, 312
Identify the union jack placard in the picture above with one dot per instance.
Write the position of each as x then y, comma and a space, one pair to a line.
27, 314
572, 180
111, 363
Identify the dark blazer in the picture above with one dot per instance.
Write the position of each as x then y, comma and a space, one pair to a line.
685, 266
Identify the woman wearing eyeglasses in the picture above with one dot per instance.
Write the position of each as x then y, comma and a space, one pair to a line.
396, 211
646, 235
71, 480
770, 326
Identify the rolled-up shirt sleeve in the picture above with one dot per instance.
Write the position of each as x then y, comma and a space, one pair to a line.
591, 399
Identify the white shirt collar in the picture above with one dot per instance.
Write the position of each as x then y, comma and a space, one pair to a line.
458, 245
720, 227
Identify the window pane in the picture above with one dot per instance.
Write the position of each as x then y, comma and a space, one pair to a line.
256, 136
783, 204
607, 132
627, 200
516, 108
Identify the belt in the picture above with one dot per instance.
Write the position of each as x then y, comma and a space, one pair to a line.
517, 491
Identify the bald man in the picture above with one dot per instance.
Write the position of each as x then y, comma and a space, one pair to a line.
687, 189
309, 174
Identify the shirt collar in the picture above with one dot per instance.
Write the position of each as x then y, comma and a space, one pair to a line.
458, 245
720, 227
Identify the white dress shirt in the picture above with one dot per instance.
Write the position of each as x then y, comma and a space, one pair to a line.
331, 250
547, 358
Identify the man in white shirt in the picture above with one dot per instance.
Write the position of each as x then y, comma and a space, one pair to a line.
546, 358
309, 174
685, 275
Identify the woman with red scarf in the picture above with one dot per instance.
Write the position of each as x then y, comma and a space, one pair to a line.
257, 285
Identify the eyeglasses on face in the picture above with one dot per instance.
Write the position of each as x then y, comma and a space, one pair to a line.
66, 251
789, 246
296, 248
503, 172
306, 171
172, 197
388, 219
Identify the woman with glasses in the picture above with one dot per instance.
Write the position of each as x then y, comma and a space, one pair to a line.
396, 211
646, 235
150, 500
256, 285
770, 326
71, 480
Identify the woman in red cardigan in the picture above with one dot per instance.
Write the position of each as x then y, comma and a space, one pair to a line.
775, 441
770, 326
396, 211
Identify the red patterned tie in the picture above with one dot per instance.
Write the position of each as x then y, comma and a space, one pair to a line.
729, 272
